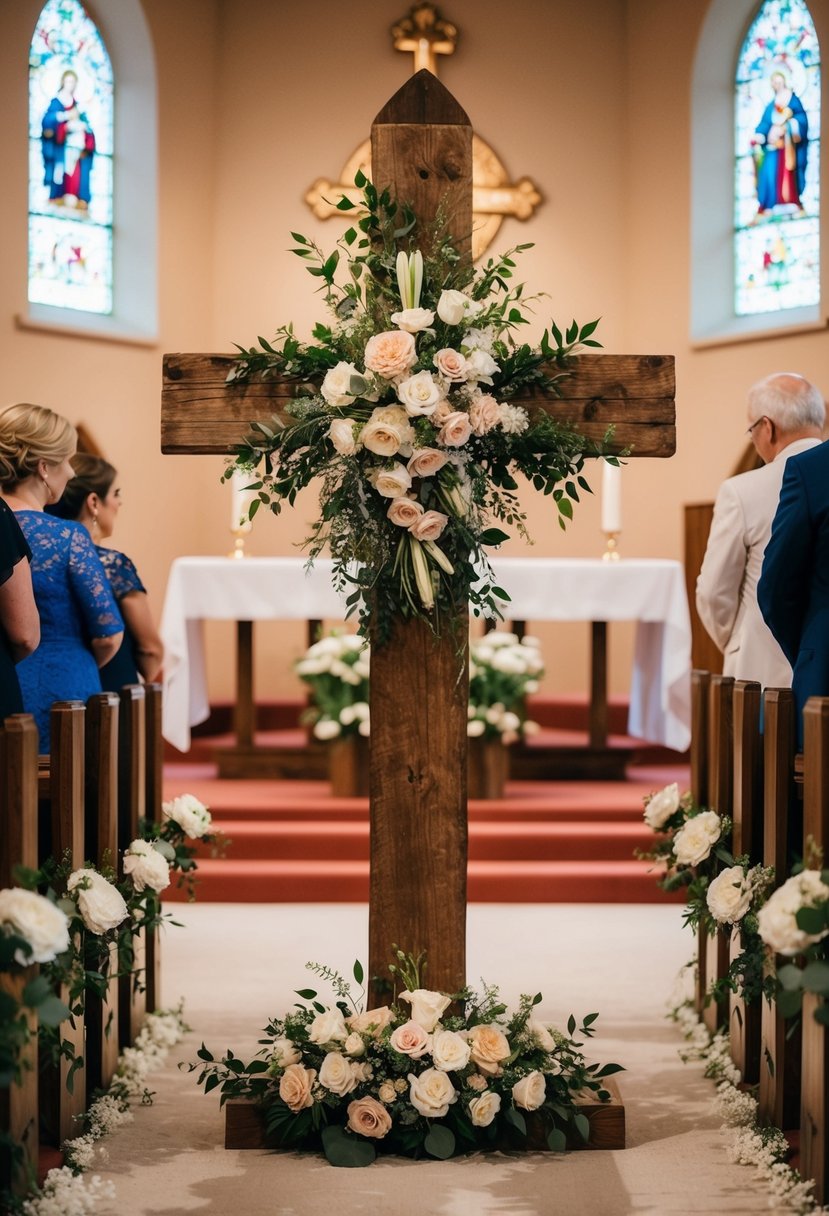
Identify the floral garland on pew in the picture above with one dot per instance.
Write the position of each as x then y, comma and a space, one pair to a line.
432, 1073
403, 412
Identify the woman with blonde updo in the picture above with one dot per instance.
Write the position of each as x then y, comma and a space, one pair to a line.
80, 625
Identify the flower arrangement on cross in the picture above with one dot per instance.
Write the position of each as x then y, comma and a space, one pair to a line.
403, 410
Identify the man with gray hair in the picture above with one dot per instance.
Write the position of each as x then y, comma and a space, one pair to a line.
786, 415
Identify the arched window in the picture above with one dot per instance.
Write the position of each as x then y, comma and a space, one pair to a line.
70, 162
777, 187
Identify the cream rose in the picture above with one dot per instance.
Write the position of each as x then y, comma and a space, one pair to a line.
442, 412
341, 434
432, 1093
481, 366
419, 394
455, 307
337, 1074
529, 1093
404, 511
336, 385
390, 354
370, 1020
368, 1117
381, 436
484, 414
477, 1081
451, 364
413, 320
484, 1108
38, 921
328, 1027
391, 483
694, 841
729, 895
427, 1006
387, 1092
661, 806
100, 904
191, 815
295, 1087
449, 1051
541, 1035
429, 525
285, 1053
146, 867
776, 919
455, 430
354, 1045
411, 1040
489, 1047
426, 462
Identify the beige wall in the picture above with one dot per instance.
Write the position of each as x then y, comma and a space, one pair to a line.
590, 100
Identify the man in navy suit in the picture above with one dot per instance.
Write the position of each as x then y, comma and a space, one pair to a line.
793, 591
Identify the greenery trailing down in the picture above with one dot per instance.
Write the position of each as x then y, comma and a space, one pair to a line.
432, 1074
402, 410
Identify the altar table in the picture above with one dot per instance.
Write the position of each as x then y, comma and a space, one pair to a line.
649, 591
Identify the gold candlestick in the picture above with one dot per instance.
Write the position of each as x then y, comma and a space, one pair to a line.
611, 553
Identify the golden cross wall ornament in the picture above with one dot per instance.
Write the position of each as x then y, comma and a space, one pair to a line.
425, 34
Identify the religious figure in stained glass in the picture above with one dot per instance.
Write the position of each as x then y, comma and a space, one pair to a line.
777, 191
70, 161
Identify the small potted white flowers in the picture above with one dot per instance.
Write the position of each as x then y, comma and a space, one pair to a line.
503, 670
336, 670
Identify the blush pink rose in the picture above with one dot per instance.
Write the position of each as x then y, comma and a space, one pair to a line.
426, 462
390, 354
368, 1117
411, 1040
429, 525
404, 512
373, 1020
451, 364
484, 414
456, 429
295, 1087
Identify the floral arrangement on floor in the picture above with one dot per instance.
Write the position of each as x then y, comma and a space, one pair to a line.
403, 412
432, 1073
749, 1142
721, 890
503, 671
336, 670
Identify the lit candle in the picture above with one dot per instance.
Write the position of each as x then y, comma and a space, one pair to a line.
240, 500
611, 498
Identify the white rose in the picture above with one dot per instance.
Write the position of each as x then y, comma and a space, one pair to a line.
146, 867
413, 320
776, 919
355, 1045
661, 806
426, 462
481, 366
336, 387
411, 1040
484, 1108
341, 434
328, 1027
326, 729
432, 1093
475, 728
530, 1092
100, 904
694, 841
285, 1053
427, 1006
404, 511
449, 1051
38, 921
455, 307
451, 364
391, 483
191, 815
337, 1074
541, 1035
729, 895
420, 394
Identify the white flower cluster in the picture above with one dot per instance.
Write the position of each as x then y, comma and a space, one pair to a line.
191, 815
502, 670
730, 894
777, 919
65, 1193
146, 866
337, 669
37, 921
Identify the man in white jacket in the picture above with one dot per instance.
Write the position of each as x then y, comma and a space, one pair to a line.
786, 415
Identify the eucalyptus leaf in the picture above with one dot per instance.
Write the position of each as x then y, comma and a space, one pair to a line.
344, 1151
440, 1142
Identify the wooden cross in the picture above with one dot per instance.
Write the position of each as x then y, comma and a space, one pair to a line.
424, 34
422, 151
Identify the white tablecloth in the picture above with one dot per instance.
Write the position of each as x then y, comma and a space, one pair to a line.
648, 591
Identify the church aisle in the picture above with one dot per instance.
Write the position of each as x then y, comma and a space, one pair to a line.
236, 964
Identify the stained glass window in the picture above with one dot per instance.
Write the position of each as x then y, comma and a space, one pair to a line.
777, 180
70, 161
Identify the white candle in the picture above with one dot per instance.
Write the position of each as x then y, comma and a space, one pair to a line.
611, 498
240, 500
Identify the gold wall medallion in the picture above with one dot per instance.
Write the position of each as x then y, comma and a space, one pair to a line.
425, 35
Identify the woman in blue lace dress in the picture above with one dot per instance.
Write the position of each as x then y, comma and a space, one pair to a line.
80, 625
93, 499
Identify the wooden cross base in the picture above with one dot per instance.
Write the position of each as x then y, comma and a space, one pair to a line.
245, 1126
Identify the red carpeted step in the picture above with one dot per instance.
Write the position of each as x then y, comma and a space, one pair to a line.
489, 882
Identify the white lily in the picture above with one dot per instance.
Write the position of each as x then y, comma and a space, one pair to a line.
423, 578
410, 278
438, 556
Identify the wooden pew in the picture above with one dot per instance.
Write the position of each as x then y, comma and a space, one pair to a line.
779, 1094
154, 754
720, 787
747, 838
132, 803
814, 1102
63, 1090
19, 1115
700, 684
102, 849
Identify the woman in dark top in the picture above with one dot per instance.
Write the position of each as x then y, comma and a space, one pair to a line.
93, 499
19, 620
81, 627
